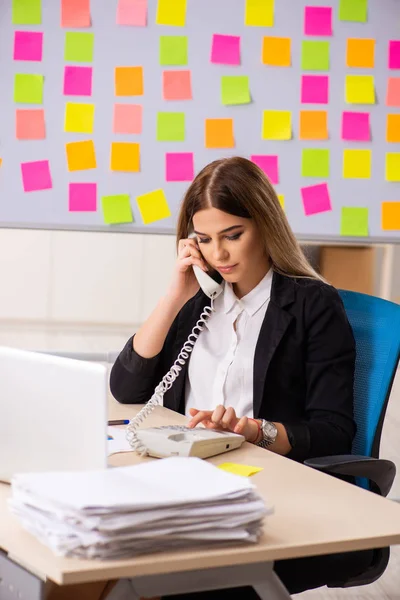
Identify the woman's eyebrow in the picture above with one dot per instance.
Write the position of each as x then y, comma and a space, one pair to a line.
223, 231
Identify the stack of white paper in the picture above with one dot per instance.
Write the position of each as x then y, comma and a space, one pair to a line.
153, 506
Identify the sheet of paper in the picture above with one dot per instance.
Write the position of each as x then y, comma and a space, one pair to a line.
173, 50
225, 49
315, 162
78, 81
354, 221
118, 442
356, 163
30, 124
28, 88
129, 81
82, 197
79, 46
79, 117
75, 13
179, 166
316, 199
314, 55
132, 12
313, 125
219, 133
235, 89
171, 12
117, 209
277, 125
276, 51
170, 127
28, 45
360, 53
318, 20
125, 156
393, 128
26, 12
259, 13
360, 89
128, 118
281, 198
242, 470
355, 126
269, 164
80, 155
177, 85
314, 89
394, 54
153, 206
36, 176
393, 91
392, 166
391, 216
353, 10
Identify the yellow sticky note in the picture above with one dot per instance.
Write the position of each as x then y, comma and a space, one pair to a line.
393, 128
360, 53
79, 117
392, 166
281, 198
259, 13
356, 164
277, 125
81, 155
360, 89
153, 206
171, 12
276, 51
243, 470
219, 133
391, 216
125, 156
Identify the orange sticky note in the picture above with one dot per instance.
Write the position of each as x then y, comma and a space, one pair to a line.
393, 128
177, 85
75, 13
30, 124
360, 53
276, 51
219, 133
125, 156
313, 125
391, 216
1, 161
81, 155
129, 81
393, 91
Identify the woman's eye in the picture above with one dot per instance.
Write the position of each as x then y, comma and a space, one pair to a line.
232, 238
204, 241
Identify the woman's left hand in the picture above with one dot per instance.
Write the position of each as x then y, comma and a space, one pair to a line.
225, 419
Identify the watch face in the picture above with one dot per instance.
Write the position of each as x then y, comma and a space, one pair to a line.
269, 430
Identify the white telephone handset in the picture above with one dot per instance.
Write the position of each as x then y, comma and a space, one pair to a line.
177, 440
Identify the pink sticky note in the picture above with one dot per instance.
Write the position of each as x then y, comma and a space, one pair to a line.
225, 49
36, 175
127, 118
355, 126
177, 85
29, 124
314, 89
394, 54
393, 92
28, 45
82, 197
269, 164
318, 20
179, 166
75, 13
78, 81
132, 12
316, 199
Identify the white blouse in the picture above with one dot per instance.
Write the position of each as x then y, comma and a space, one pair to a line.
221, 366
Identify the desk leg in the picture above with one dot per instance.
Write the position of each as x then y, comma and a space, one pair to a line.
16, 582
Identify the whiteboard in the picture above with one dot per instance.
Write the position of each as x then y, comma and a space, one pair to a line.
271, 88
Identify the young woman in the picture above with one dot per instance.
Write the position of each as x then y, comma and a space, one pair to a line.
276, 359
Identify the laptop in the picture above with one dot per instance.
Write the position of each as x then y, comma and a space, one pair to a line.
53, 413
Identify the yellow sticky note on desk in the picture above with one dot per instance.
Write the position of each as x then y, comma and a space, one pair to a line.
243, 470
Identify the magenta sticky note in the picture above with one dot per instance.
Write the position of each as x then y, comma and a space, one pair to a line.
82, 197
314, 89
318, 20
36, 176
355, 126
28, 45
316, 199
179, 166
132, 12
78, 81
269, 164
394, 54
225, 49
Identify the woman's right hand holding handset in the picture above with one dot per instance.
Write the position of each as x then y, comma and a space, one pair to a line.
184, 284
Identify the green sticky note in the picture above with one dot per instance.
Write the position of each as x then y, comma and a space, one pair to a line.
117, 209
353, 10
315, 163
170, 127
235, 89
28, 89
78, 46
27, 12
173, 50
314, 56
354, 221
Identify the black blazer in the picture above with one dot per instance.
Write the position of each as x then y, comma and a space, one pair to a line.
303, 366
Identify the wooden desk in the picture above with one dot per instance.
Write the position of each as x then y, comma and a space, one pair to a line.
314, 514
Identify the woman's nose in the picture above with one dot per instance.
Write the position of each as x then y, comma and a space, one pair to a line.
220, 254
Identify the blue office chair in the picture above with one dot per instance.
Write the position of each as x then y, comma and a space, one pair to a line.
376, 327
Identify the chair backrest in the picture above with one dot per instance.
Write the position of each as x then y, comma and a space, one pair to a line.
376, 327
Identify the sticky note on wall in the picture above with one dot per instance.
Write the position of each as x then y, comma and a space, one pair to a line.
391, 216
28, 88
269, 164
125, 156
30, 124
128, 118
360, 53
36, 176
219, 133
393, 128
314, 89
393, 91
75, 13
80, 155
225, 49
355, 126
179, 166
78, 81
357, 164
314, 55
28, 45
316, 199
177, 85
79, 46
235, 89
170, 127
394, 54
392, 166
27, 12
132, 12
318, 20
173, 50
353, 10
171, 12
259, 13
82, 197
315, 162
354, 221
128, 81
116, 209
276, 51
153, 206
359, 89
277, 125
313, 125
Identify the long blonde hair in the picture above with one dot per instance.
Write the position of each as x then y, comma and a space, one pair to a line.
239, 187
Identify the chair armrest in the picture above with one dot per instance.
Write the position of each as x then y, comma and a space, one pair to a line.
378, 470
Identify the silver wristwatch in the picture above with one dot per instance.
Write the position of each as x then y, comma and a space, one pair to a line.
269, 434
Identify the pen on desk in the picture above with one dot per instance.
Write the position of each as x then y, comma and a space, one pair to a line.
119, 422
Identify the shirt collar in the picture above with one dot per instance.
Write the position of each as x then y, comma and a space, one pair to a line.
253, 301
